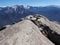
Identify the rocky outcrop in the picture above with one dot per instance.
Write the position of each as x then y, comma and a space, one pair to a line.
32, 30
23, 33
48, 28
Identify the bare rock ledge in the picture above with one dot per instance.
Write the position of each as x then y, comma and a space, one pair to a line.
23, 33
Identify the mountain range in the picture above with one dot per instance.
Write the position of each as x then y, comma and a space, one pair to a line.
28, 25
9, 15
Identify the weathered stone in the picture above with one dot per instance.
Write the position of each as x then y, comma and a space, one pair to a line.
48, 28
23, 33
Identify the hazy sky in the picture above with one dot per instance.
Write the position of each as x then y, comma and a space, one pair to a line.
29, 2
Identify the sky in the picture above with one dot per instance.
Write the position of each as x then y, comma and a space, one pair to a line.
29, 2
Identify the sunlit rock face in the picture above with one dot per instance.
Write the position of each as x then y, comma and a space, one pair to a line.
23, 33
48, 28
31, 30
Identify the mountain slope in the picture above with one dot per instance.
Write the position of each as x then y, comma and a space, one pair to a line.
51, 12
48, 28
23, 33
40, 28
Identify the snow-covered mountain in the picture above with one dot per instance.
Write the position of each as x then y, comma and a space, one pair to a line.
9, 15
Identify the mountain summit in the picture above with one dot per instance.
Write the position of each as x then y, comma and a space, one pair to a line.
31, 30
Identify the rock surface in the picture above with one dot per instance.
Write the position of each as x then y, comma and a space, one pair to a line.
23, 33
48, 28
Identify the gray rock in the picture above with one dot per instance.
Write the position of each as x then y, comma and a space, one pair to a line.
48, 28
23, 33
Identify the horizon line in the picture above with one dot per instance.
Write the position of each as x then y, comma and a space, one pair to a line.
30, 5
